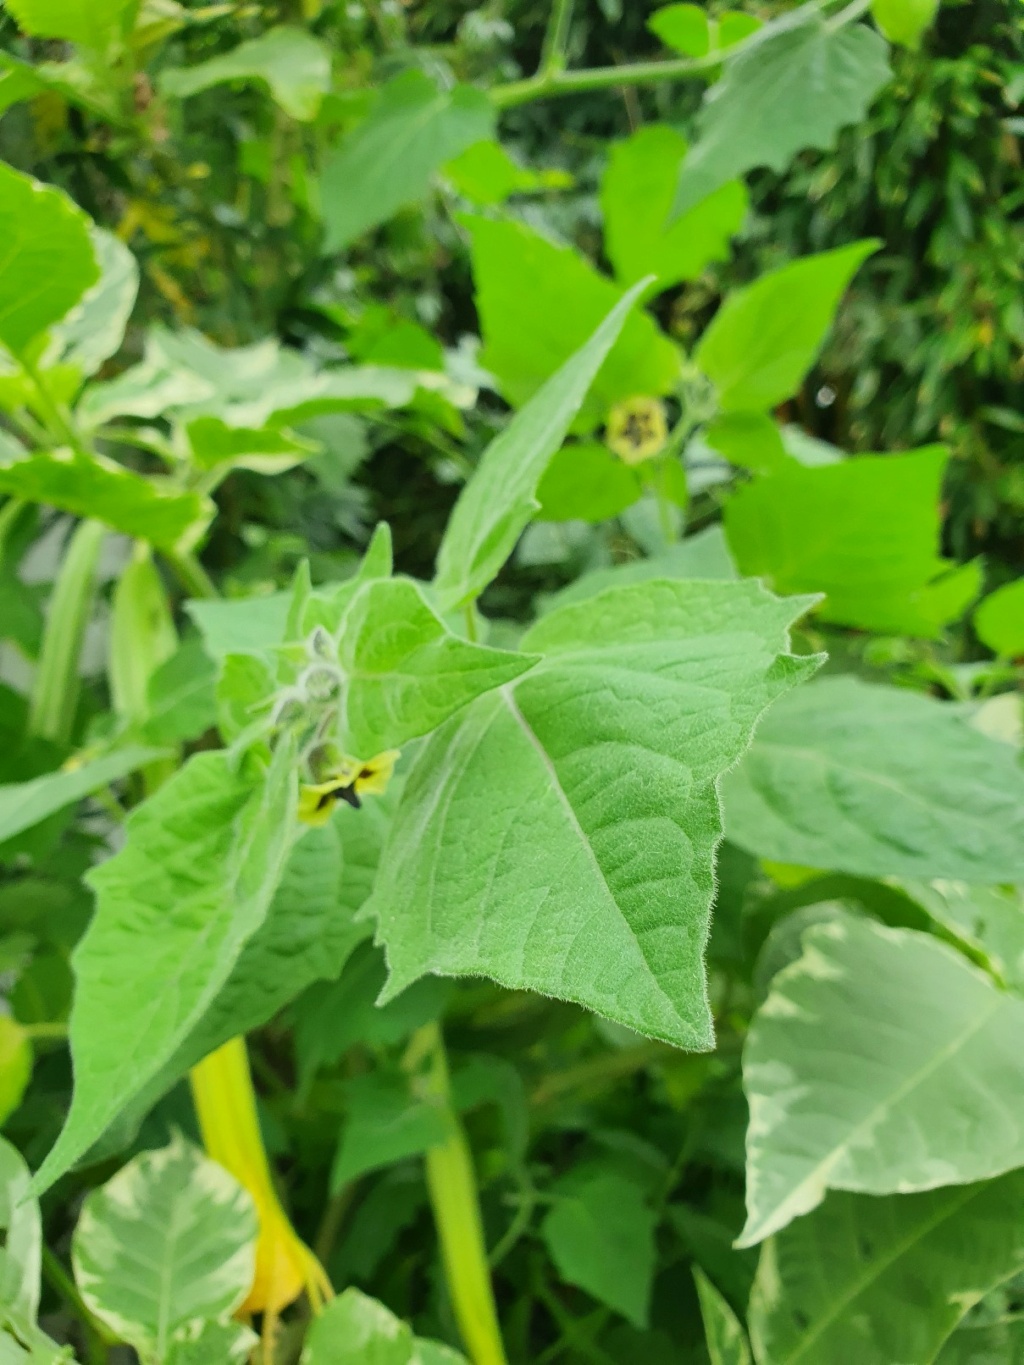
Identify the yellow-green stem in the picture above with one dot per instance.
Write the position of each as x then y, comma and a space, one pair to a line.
451, 1183
55, 692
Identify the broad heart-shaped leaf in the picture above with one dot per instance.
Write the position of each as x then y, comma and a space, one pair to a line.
637, 192
866, 532
309, 933
600, 1235
193, 883
882, 1062
726, 1340
999, 620
388, 160
405, 671
559, 835
796, 87
882, 782
500, 498
78, 21
167, 1244
20, 1223
356, 1330
869, 1281
24, 804
766, 336
94, 329
539, 303
295, 66
93, 486
48, 261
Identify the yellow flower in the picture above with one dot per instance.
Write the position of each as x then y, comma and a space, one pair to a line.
637, 429
350, 780
226, 1108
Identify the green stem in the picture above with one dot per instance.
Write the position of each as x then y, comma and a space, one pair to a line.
97, 1336
55, 693
556, 39
451, 1182
191, 574
59, 424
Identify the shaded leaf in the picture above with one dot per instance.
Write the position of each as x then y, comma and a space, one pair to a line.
24, 804
384, 1124
291, 63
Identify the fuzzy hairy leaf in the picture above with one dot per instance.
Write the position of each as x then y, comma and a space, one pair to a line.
797, 86
193, 883
166, 1245
882, 782
559, 834
882, 1062
868, 1281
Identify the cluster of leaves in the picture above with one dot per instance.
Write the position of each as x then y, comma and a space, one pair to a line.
340, 808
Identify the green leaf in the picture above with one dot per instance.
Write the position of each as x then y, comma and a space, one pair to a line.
180, 698
167, 1244
904, 21
405, 672
882, 1062
93, 486
293, 65
999, 620
356, 1330
685, 28
24, 804
867, 1281
500, 499
558, 836
15, 1065
600, 1235
539, 303
866, 532
213, 1343
78, 21
637, 192
486, 174
748, 439
726, 1341
21, 1226
388, 160
384, 1124
882, 782
985, 1343
48, 261
796, 87
194, 881
704, 555
988, 919
586, 482
94, 329
264, 450
766, 336
248, 625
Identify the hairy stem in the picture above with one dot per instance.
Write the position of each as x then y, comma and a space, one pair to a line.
451, 1182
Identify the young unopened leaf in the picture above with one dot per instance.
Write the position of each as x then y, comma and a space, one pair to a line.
387, 161
726, 1340
882, 782
838, 1284
882, 1062
295, 67
93, 486
637, 192
48, 259
559, 835
600, 1233
24, 804
866, 532
193, 882
166, 1245
539, 303
797, 86
500, 498
766, 336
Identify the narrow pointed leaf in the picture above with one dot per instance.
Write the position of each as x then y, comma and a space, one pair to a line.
24, 804
726, 1340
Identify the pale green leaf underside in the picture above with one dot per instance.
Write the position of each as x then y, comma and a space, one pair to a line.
295, 66
24, 804
192, 883
165, 1245
726, 1341
94, 329
881, 782
795, 88
882, 1062
559, 834
868, 1281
